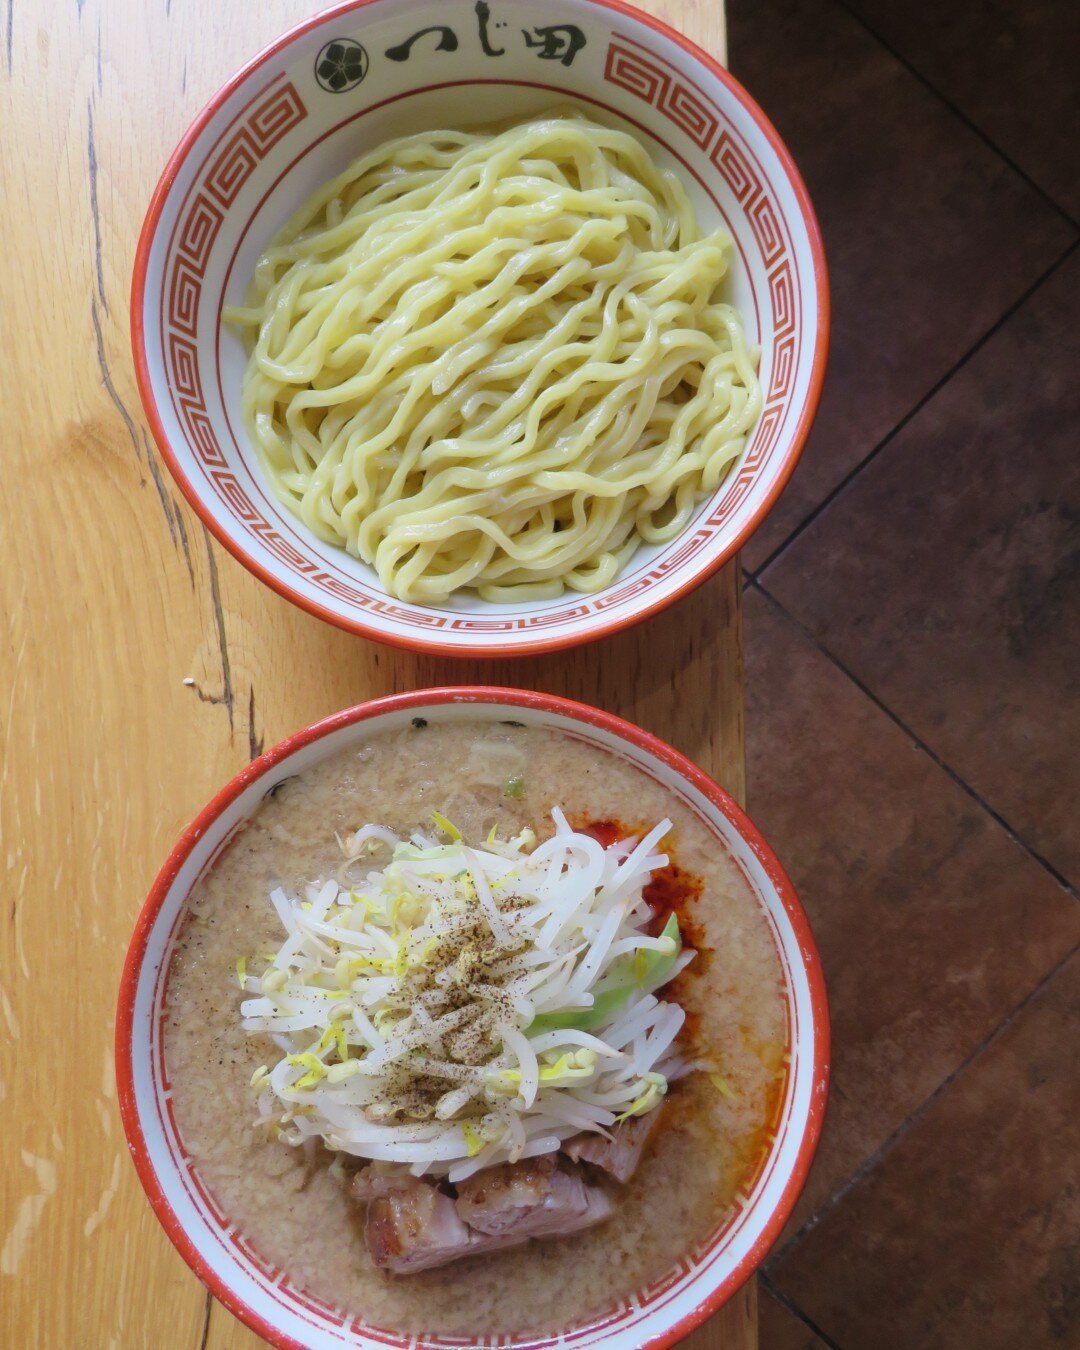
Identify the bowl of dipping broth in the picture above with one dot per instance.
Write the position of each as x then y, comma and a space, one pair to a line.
472, 1017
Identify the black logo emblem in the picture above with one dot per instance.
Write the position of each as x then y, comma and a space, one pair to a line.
341, 65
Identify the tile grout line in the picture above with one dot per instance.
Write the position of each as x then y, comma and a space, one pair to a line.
917, 740
962, 117
931, 393
879, 1153
793, 1308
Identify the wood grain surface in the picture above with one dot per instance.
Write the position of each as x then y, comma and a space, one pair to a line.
113, 595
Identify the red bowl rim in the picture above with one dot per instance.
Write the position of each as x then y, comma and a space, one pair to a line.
427, 698
361, 625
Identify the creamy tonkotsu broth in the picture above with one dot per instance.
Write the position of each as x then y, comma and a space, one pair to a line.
285, 1200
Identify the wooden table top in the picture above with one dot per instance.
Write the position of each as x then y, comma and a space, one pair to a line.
113, 596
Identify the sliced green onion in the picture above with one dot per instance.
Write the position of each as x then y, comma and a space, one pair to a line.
446, 826
657, 1088
473, 1142
645, 971
722, 1086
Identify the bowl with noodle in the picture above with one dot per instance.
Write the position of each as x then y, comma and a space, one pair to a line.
478, 330
472, 1017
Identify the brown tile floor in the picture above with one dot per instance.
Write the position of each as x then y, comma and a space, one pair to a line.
930, 235
946, 576
965, 1232
1012, 69
913, 670
933, 923
781, 1329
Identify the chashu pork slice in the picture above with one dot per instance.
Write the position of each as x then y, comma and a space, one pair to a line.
620, 1155
380, 1178
413, 1226
535, 1198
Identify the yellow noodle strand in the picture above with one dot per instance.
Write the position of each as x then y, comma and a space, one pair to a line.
497, 360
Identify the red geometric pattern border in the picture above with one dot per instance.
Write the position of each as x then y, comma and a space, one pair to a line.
257, 133
735, 169
252, 141
201, 226
662, 89
692, 114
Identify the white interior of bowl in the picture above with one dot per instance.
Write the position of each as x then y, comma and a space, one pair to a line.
280, 135
261, 1292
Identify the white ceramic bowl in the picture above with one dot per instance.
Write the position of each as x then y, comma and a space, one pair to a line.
298, 113
263, 1296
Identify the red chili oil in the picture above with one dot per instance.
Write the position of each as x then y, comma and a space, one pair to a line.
671, 890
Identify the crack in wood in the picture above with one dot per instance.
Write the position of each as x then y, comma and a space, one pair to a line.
10, 34
215, 700
255, 743
227, 695
206, 1321
106, 378
173, 518
95, 215
162, 492
181, 530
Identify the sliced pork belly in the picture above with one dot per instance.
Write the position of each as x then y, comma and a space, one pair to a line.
535, 1198
380, 1178
414, 1227
620, 1155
